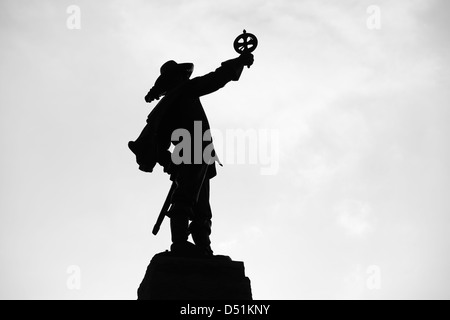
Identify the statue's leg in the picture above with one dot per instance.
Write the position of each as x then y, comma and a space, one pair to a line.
179, 222
200, 227
181, 211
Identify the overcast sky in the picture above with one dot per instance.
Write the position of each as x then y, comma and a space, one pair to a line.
357, 105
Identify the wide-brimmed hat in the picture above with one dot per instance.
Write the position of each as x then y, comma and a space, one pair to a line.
171, 67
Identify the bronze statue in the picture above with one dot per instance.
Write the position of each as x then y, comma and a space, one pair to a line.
190, 169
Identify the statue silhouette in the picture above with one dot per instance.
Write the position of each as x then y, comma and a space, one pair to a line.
180, 108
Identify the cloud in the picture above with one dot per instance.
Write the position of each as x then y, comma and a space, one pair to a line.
254, 233
226, 245
354, 217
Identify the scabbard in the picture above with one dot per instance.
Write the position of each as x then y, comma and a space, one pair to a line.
164, 210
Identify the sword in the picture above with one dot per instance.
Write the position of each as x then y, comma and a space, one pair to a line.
164, 209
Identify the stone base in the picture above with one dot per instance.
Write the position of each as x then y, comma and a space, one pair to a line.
182, 278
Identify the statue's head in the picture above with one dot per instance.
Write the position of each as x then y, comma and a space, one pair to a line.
173, 69
172, 75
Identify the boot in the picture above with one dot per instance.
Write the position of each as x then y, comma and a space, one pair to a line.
179, 223
179, 228
200, 231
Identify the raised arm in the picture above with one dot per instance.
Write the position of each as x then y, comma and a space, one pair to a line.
229, 70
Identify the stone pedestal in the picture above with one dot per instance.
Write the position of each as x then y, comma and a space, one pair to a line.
181, 278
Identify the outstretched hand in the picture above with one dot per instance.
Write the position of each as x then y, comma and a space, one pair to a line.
247, 59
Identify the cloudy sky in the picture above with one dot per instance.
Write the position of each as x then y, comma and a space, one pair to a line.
354, 94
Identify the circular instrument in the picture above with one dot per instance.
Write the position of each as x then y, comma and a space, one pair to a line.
245, 43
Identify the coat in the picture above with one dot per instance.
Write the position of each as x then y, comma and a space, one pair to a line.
184, 110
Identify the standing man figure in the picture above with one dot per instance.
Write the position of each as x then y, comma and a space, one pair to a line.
180, 108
